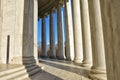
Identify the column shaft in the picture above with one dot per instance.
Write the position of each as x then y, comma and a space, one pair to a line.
61, 50
99, 67
35, 29
52, 37
69, 32
87, 49
44, 49
0, 30
77, 32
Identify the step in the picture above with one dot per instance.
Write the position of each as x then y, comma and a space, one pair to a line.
16, 69
31, 68
26, 75
11, 70
29, 62
36, 70
22, 72
20, 77
29, 65
13, 74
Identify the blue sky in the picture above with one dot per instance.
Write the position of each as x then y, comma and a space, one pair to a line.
48, 28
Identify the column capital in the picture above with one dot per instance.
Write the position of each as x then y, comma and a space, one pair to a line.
53, 10
65, 1
45, 15
61, 2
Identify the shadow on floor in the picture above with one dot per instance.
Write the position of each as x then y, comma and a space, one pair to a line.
43, 75
79, 71
35, 72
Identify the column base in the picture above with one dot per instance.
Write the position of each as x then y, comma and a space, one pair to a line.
86, 64
60, 58
77, 61
44, 57
24, 60
52, 57
69, 59
96, 74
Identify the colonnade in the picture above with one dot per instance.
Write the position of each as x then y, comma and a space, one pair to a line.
92, 34
84, 42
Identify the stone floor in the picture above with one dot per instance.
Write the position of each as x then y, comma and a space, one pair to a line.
56, 70
61, 70
4, 67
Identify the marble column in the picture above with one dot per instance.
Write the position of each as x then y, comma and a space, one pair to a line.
61, 45
110, 11
98, 70
69, 32
87, 49
77, 31
44, 45
35, 29
0, 30
52, 36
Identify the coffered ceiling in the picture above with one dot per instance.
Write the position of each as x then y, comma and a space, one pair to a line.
45, 6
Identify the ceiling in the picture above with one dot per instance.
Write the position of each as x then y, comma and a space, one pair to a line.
45, 6
42, 3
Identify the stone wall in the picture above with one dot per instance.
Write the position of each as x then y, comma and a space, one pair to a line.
9, 9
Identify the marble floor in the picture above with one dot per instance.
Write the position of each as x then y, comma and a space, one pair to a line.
55, 70
4, 67
61, 70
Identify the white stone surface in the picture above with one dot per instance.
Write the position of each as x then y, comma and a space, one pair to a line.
9, 10
0, 29
19, 28
36, 29
18, 32
69, 31
77, 31
111, 22
87, 48
61, 45
99, 65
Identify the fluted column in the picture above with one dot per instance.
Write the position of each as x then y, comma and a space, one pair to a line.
99, 66
44, 48
61, 50
0, 31
52, 36
36, 29
0, 43
87, 49
77, 31
69, 31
